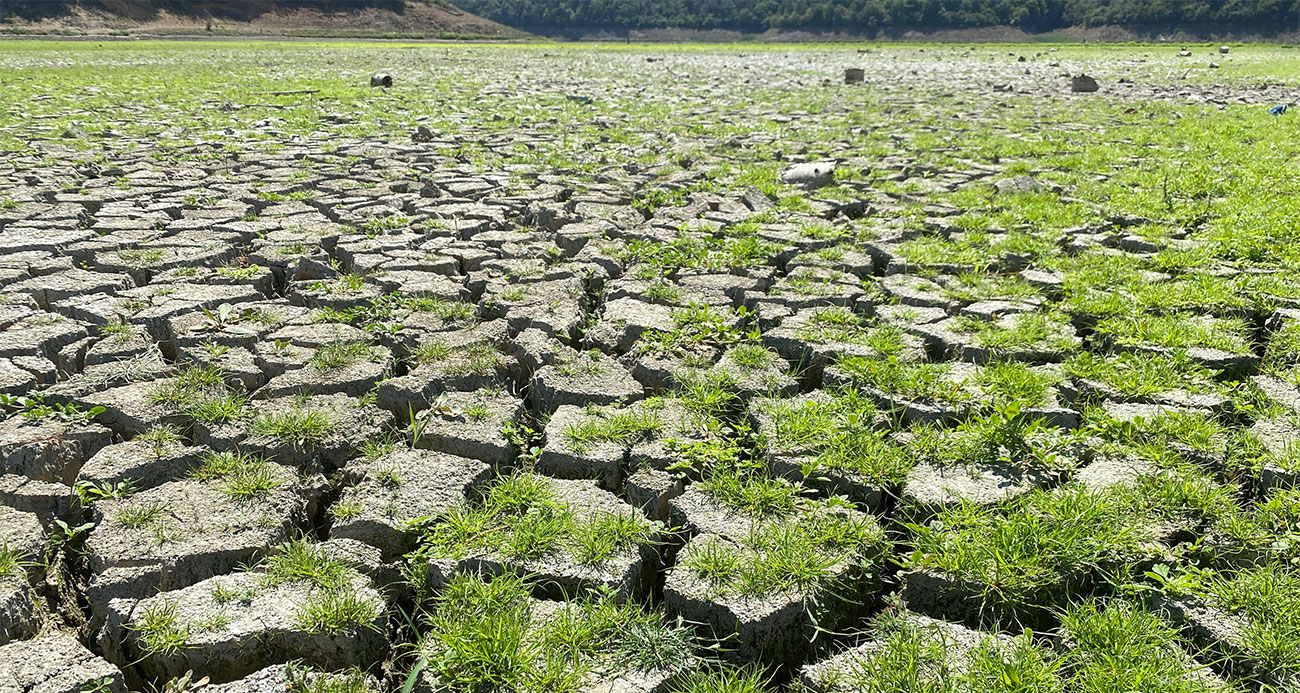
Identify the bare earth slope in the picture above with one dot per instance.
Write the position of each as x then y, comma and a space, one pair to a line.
361, 18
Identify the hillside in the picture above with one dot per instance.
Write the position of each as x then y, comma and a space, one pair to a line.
345, 18
886, 17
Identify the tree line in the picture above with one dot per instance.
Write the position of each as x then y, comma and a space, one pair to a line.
756, 16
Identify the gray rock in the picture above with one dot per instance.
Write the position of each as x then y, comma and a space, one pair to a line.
1083, 84
809, 176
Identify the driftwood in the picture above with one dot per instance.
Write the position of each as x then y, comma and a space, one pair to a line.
286, 93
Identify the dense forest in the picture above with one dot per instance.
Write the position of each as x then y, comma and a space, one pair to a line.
755, 16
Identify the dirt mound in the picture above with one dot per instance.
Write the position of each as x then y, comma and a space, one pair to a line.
360, 18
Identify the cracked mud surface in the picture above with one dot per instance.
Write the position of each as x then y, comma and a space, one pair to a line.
676, 370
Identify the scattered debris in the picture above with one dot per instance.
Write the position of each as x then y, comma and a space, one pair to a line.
293, 92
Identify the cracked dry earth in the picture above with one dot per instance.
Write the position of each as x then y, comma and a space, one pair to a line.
559, 368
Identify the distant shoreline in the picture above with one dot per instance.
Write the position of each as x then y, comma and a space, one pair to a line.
991, 35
